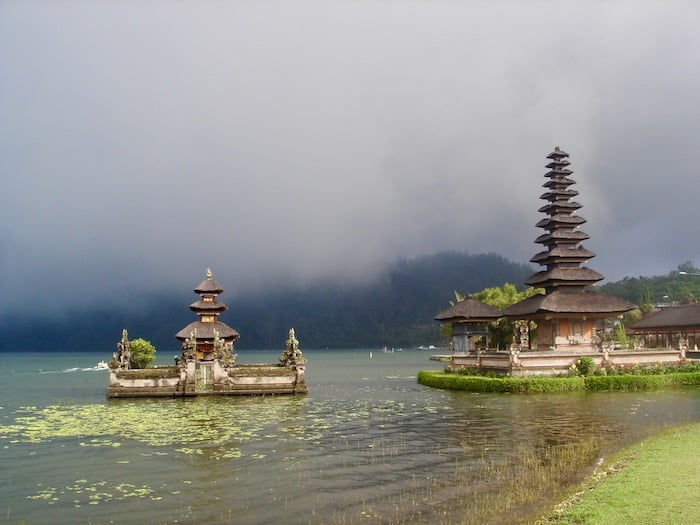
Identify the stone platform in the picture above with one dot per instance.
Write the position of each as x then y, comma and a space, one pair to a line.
556, 362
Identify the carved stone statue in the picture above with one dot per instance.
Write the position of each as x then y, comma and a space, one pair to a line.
223, 350
291, 356
123, 354
523, 335
189, 346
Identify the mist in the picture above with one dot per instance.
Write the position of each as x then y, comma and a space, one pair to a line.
280, 143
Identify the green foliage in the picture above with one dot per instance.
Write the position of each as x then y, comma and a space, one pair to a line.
647, 306
501, 331
504, 296
585, 365
621, 335
143, 353
524, 385
633, 382
458, 297
626, 380
648, 291
632, 494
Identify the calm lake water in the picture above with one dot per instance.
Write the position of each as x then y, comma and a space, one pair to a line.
367, 445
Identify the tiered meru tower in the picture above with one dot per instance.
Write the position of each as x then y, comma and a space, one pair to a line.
208, 308
569, 316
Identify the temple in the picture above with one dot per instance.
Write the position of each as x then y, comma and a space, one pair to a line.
570, 319
208, 308
207, 365
570, 315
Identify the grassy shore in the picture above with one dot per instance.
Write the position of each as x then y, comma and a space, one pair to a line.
652, 482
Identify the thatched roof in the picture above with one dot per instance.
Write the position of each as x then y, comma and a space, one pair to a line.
561, 236
570, 301
569, 276
209, 286
205, 331
686, 316
208, 306
563, 253
468, 310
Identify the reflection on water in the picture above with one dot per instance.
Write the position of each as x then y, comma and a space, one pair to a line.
368, 445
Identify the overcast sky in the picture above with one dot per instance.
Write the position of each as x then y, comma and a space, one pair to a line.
284, 141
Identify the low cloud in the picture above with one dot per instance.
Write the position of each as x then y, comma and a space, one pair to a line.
282, 142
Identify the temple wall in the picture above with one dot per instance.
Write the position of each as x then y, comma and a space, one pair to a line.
559, 362
236, 380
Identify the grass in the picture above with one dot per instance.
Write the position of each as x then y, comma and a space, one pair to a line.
652, 482
522, 385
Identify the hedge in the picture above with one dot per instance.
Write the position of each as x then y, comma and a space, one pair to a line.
532, 385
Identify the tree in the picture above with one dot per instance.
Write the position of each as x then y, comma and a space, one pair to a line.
646, 305
501, 331
505, 295
143, 353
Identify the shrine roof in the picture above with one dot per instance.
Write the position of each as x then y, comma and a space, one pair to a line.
208, 306
559, 253
469, 310
205, 331
564, 274
672, 317
570, 301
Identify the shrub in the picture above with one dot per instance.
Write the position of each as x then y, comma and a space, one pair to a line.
585, 365
143, 353
612, 382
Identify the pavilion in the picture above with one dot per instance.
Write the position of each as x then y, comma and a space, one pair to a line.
670, 327
469, 319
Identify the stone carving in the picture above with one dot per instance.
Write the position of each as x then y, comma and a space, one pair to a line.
122, 357
523, 334
223, 350
291, 356
189, 346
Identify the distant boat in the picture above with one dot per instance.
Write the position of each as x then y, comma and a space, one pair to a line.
102, 365
429, 347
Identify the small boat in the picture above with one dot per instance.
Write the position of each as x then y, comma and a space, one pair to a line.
102, 365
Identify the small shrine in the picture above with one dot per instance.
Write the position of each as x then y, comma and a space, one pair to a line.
203, 336
207, 364
470, 324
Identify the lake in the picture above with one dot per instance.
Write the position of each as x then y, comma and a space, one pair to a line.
367, 445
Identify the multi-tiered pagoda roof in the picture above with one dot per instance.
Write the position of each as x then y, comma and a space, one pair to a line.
563, 276
208, 308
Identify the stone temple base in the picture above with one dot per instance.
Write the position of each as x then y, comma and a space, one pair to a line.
556, 362
207, 378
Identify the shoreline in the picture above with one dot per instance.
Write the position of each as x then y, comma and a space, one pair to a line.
626, 487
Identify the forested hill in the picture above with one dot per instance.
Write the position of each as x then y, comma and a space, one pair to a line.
680, 286
395, 309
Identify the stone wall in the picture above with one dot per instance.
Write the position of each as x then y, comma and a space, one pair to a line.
181, 381
553, 362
